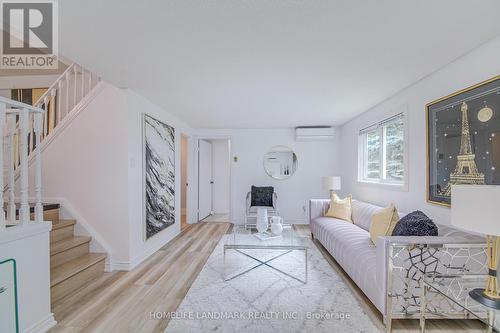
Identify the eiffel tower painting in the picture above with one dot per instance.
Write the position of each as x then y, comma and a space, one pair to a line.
466, 171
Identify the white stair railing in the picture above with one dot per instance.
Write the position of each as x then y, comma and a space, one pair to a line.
27, 118
70, 88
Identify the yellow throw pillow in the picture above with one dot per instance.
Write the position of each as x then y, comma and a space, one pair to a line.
340, 208
383, 223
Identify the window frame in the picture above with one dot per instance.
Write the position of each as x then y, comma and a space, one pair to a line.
381, 128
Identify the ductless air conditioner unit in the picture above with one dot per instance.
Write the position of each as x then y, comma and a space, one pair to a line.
314, 133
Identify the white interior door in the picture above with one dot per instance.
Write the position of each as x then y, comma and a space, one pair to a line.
204, 178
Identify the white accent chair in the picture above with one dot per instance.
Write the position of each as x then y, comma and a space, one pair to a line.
251, 211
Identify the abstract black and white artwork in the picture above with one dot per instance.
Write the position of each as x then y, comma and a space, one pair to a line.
159, 173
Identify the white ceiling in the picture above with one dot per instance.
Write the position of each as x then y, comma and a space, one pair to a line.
279, 63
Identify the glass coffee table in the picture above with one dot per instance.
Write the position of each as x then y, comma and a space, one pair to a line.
247, 244
454, 291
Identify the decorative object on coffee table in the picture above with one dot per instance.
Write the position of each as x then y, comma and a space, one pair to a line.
262, 219
475, 208
331, 183
276, 225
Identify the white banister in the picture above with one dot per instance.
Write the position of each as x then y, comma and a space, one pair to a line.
83, 81
90, 81
66, 84
75, 84
38, 168
24, 208
11, 129
46, 115
59, 102
3, 110
31, 133
23, 131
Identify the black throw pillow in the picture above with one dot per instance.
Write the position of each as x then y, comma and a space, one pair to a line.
415, 224
262, 196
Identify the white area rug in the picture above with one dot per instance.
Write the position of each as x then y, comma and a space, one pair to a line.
264, 300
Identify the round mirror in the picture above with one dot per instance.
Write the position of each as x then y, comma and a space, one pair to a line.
280, 162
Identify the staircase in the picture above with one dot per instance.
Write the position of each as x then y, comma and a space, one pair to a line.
72, 265
25, 131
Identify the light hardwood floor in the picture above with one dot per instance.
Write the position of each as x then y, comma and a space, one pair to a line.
216, 218
123, 301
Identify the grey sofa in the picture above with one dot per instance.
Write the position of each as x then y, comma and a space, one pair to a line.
389, 274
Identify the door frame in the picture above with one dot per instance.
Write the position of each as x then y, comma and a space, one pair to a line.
196, 139
207, 143
189, 169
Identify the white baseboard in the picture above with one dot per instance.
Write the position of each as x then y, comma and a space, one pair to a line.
43, 325
117, 266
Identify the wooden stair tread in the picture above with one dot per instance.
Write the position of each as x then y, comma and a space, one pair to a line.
62, 223
73, 267
67, 244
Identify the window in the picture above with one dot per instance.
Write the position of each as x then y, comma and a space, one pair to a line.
382, 152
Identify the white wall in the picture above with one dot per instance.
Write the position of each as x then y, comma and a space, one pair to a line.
87, 166
476, 66
220, 175
315, 159
94, 168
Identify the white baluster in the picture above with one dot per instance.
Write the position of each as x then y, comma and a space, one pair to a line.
52, 107
59, 96
90, 81
11, 128
66, 83
46, 116
30, 142
51, 110
2, 122
24, 210
38, 168
83, 80
75, 84
50, 125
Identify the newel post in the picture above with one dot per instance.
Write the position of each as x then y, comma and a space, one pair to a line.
38, 168
2, 123
24, 209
